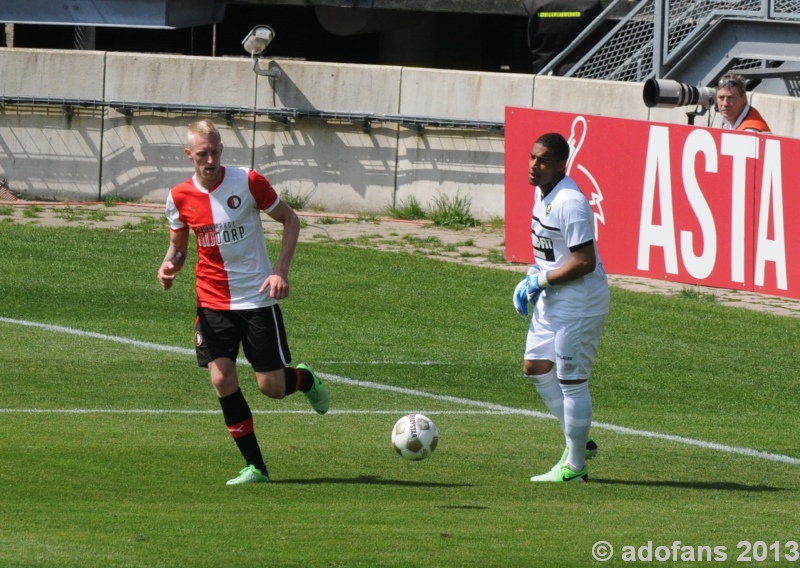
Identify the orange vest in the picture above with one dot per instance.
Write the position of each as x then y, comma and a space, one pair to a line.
755, 121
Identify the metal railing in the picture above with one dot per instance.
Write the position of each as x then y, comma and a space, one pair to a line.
654, 34
283, 115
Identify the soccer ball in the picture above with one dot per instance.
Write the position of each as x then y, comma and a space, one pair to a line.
415, 436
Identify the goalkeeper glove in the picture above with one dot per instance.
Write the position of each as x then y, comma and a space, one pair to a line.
529, 289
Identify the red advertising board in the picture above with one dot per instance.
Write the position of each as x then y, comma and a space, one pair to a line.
681, 203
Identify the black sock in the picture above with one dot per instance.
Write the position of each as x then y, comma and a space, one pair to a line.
239, 421
298, 380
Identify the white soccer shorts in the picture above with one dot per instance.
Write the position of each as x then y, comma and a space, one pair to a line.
570, 343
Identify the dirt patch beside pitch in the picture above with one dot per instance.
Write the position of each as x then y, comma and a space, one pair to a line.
479, 246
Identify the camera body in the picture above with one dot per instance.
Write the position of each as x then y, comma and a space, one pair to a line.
666, 93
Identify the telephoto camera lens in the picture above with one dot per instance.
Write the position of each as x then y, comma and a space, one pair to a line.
670, 94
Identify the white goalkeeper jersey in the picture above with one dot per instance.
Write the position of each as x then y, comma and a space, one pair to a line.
561, 220
232, 261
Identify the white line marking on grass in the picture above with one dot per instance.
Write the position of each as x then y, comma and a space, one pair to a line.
413, 363
498, 408
158, 411
104, 337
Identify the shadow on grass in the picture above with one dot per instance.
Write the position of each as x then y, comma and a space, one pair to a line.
713, 485
367, 480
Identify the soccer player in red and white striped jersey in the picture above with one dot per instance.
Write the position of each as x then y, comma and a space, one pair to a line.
238, 289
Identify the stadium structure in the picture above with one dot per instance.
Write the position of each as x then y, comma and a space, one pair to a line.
355, 105
692, 41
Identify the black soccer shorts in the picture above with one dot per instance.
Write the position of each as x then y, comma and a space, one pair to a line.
260, 332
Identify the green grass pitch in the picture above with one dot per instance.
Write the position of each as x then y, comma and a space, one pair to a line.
114, 452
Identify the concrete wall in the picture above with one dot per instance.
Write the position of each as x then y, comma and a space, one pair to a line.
449, 163
44, 151
335, 164
143, 155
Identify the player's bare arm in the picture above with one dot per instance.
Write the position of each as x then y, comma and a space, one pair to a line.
582, 261
174, 259
278, 282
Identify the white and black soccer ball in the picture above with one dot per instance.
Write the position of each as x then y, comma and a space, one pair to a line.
415, 436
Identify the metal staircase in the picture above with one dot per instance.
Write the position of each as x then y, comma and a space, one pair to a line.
695, 41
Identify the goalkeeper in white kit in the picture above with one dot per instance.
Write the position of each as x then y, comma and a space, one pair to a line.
568, 289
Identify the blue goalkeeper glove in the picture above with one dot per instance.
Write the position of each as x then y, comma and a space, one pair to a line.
529, 289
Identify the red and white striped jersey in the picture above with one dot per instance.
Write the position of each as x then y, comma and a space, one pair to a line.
232, 260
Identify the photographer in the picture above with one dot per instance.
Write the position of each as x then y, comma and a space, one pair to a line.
736, 112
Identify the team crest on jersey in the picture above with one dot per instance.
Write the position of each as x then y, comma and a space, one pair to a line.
548, 209
234, 202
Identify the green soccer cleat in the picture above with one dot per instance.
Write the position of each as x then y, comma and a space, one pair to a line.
563, 475
250, 474
319, 396
591, 451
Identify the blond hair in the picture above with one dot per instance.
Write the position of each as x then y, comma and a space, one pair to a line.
204, 128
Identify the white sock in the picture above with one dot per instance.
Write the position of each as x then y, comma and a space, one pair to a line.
577, 421
548, 388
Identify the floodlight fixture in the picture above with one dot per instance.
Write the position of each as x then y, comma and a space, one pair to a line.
257, 40
255, 43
